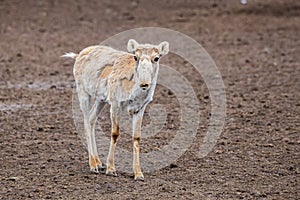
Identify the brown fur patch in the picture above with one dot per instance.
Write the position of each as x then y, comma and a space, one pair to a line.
97, 160
153, 50
136, 139
86, 51
124, 67
148, 51
79, 65
81, 60
106, 71
136, 145
115, 138
115, 133
127, 85
116, 129
94, 161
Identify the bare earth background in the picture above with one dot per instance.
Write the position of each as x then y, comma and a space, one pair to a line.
256, 48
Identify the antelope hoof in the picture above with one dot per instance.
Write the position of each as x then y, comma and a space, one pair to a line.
111, 173
95, 170
101, 167
139, 177
94, 162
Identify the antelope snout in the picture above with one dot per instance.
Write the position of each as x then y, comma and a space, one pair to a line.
144, 86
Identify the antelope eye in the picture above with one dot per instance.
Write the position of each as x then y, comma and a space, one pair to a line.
156, 59
135, 58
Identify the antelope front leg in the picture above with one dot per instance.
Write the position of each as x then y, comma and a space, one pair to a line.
137, 123
115, 132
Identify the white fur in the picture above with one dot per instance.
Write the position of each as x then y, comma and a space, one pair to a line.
70, 55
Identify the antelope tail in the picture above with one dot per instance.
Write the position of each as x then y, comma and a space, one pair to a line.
70, 55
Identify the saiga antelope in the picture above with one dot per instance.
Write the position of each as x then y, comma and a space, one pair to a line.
125, 80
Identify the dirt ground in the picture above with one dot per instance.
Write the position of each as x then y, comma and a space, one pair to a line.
256, 48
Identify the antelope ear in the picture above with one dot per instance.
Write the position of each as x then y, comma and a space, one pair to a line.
132, 45
163, 48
